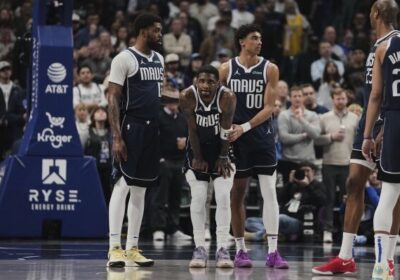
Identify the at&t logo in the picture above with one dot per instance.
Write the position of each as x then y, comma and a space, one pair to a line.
56, 73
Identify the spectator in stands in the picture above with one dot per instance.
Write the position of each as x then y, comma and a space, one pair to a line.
298, 127
172, 73
347, 42
330, 37
356, 109
302, 73
223, 7
216, 41
195, 64
355, 73
88, 92
98, 61
338, 128
203, 10
82, 122
283, 94
98, 145
318, 66
331, 79
272, 26
191, 26
178, 42
121, 42
89, 32
7, 41
240, 15
76, 26
6, 18
310, 100
11, 110
360, 30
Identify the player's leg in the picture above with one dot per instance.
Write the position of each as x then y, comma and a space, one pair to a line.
271, 219
382, 224
394, 233
355, 184
222, 189
198, 190
135, 215
116, 218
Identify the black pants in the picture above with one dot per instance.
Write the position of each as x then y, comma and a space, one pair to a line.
166, 198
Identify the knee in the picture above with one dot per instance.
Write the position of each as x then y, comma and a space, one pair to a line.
222, 199
354, 187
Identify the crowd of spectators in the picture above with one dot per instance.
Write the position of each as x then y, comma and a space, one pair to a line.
319, 46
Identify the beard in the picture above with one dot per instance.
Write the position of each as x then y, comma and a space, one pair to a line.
155, 46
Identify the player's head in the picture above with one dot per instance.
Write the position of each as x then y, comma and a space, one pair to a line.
384, 11
248, 38
207, 81
148, 27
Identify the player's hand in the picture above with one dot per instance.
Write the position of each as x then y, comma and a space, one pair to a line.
224, 167
200, 165
119, 149
368, 149
235, 133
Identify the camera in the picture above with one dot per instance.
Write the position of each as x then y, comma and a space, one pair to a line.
299, 174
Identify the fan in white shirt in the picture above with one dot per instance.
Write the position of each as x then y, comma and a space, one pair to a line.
87, 92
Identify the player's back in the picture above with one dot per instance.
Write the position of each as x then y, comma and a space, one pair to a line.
391, 75
249, 85
142, 90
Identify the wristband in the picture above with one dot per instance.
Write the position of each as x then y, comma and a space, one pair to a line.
224, 157
246, 126
225, 133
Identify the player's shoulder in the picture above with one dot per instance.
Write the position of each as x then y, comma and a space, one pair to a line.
187, 93
227, 93
224, 68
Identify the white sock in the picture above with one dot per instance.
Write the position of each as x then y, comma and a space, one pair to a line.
198, 191
240, 245
272, 243
116, 212
346, 250
270, 209
392, 246
381, 247
135, 215
222, 189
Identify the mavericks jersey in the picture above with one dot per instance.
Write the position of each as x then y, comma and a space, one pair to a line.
249, 85
142, 91
208, 128
391, 72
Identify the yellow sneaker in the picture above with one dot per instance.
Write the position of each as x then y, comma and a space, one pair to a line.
133, 257
116, 257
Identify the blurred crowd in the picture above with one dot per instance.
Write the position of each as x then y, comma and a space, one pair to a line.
320, 47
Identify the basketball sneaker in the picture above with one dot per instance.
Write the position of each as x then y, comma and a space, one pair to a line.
381, 272
116, 257
336, 266
199, 258
134, 257
223, 259
275, 260
242, 259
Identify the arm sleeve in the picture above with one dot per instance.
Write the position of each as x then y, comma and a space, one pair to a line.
284, 135
312, 127
324, 138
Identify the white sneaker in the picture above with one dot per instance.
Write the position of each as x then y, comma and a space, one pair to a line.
381, 272
328, 237
158, 235
179, 235
207, 235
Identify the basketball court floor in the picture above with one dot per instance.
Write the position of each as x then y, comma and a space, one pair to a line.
48, 260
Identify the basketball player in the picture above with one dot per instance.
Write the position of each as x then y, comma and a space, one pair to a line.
385, 94
382, 16
134, 92
209, 110
254, 81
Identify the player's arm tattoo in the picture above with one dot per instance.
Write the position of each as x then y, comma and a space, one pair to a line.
228, 106
114, 95
187, 102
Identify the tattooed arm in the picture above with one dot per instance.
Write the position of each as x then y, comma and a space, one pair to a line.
118, 147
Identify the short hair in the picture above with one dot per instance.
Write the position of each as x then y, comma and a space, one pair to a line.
294, 88
144, 21
308, 164
337, 91
243, 31
303, 86
80, 67
209, 70
387, 10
